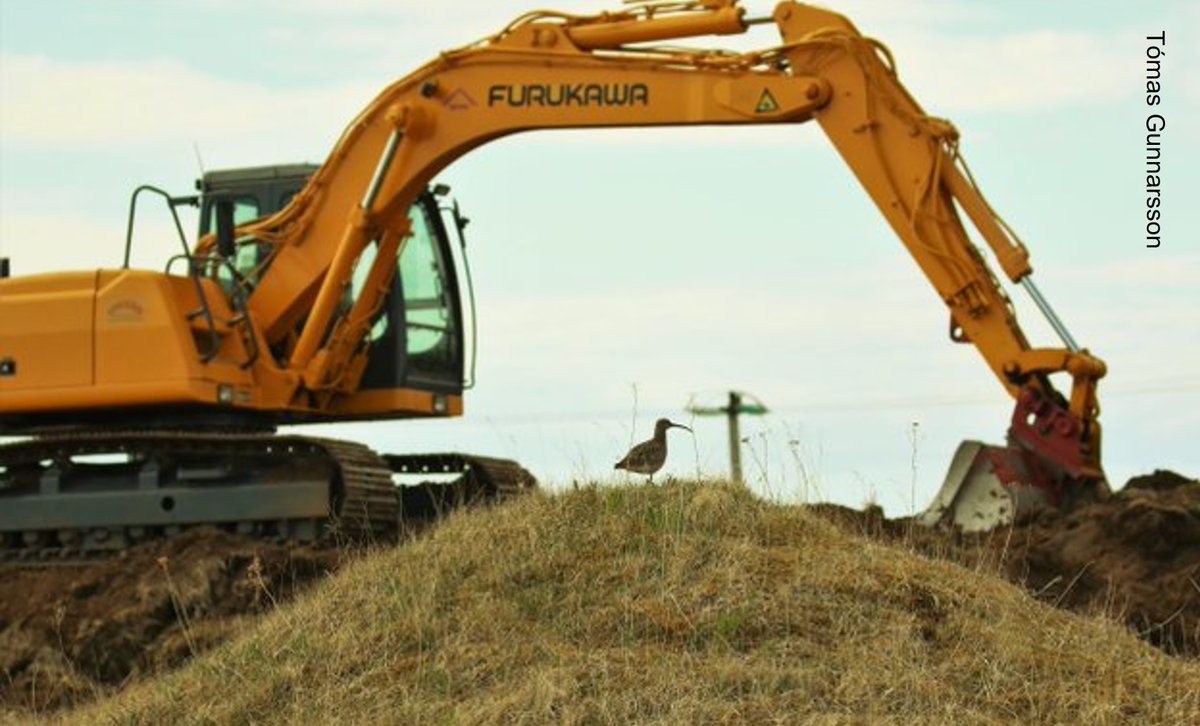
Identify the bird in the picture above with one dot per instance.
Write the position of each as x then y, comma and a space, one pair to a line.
649, 456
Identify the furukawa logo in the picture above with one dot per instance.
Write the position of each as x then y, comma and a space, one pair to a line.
459, 100
582, 95
125, 311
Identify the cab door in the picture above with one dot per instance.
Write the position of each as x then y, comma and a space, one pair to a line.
417, 342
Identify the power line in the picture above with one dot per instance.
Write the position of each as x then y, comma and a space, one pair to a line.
848, 405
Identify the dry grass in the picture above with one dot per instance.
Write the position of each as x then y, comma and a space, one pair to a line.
685, 604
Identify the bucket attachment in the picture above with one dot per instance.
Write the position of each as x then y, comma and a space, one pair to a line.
1052, 462
990, 486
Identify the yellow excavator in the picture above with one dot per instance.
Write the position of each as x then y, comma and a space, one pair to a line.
149, 398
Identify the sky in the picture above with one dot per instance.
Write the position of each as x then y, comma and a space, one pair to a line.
622, 274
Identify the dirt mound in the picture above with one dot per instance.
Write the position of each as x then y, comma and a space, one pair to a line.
675, 604
1134, 557
73, 632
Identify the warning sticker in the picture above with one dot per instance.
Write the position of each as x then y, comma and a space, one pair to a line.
766, 103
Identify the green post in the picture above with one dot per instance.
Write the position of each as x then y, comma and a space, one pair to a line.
735, 437
735, 407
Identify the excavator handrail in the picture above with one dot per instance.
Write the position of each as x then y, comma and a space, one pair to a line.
205, 310
171, 203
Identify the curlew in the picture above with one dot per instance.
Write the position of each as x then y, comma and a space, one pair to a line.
649, 456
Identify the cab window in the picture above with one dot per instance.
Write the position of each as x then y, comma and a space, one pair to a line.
358, 281
245, 209
249, 253
430, 341
429, 319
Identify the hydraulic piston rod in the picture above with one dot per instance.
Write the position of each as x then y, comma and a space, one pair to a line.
594, 36
1044, 306
339, 269
385, 163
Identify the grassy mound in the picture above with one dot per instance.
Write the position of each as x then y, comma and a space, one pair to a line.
689, 603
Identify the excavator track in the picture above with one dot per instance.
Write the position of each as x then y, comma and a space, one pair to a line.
467, 480
73, 497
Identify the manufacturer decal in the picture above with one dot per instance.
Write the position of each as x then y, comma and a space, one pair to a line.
459, 100
582, 95
125, 311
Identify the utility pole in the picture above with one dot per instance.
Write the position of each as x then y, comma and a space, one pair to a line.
734, 408
735, 437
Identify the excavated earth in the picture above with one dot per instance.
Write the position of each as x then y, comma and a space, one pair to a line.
1134, 557
72, 633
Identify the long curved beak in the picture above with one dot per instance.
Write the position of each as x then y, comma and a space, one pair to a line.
680, 426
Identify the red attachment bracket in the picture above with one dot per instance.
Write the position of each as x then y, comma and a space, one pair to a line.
1021, 472
1049, 430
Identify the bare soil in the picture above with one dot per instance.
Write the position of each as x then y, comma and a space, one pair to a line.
73, 632
1134, 557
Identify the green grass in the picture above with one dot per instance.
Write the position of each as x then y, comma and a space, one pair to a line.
688, 603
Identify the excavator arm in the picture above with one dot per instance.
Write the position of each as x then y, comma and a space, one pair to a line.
550, 70
910, 165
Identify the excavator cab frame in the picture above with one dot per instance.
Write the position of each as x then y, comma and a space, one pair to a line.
417, 340
256, 192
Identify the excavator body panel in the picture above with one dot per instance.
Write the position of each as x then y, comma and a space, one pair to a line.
46, 322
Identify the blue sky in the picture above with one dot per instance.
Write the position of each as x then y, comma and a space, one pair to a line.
672, 263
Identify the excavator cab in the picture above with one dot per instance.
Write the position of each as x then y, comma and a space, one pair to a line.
254, 192
123, 327
245, 195
417, 340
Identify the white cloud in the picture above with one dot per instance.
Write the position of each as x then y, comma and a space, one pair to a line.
1140, 272
50, 101
54, 101
1028, 70
44, 242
